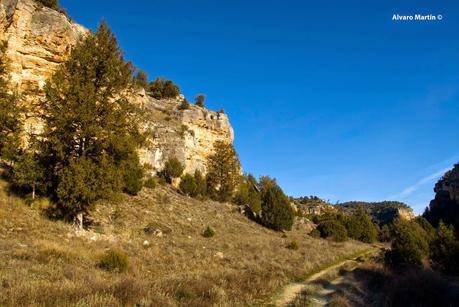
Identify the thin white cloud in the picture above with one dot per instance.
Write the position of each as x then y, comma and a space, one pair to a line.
413, 188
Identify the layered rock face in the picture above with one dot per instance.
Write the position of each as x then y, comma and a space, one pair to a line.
40, 39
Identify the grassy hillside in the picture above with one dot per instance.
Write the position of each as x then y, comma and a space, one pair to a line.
45, 263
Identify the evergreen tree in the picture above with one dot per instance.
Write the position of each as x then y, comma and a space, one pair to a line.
188, 185
223, 171
248, 194
161, 88
201, 184
28, 172
10, 114
276, 212
172, 169
360, 227
199, 100
444, 249
141, 79
91, 130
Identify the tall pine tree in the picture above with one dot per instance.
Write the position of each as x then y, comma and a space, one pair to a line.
91, 129
10, 113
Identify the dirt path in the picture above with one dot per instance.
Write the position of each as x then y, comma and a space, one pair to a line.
320, 298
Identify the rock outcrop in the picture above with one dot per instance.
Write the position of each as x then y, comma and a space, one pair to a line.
40, 39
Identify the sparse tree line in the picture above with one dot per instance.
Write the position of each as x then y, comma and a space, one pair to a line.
88, 148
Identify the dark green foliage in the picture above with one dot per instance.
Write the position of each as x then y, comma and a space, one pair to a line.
201, 184
28, 172
184, 105
52, 4
224, 171
10, 114
385, 234
199, 100
248, 194
332, 228
91, 130
360, 227
141, 79
188, 185
428, 228
132, 174
445, 250
114, 261
277, 213
315, 233
172, 169
161, 88
292, 245
208, 232
410, 245
150, 183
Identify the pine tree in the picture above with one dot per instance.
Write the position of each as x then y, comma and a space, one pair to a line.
276, 212
28, 172
247, 194
10, 113
91, 130
223, 171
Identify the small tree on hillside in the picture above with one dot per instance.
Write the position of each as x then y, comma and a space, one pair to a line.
445, 249
188, 185
141, 79
248, 194
201, 184
276, 212
161, 88
199, 100
360, 226
410, 245
172, 169
28, 172
223, 171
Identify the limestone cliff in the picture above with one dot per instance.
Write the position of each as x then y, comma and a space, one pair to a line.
40, 39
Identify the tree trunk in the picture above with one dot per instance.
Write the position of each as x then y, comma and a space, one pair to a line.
33, 192
79, 221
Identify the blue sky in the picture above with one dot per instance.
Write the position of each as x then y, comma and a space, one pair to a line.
333, 98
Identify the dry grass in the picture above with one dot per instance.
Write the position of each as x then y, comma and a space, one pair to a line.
45, 263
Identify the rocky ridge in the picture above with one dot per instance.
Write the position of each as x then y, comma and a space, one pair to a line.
40, 39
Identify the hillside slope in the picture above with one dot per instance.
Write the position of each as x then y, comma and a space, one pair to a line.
46, 263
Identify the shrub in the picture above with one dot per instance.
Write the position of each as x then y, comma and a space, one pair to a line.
141, 79
277, 213
409, 246
247, 194
150, 183
161, 88
184, 105
53, 4
132, 175
315, 233
332, 228
208, 232
292, 245
199, 100
115, 261
188, 185
360, 227
172, 169
201, 184
385, 234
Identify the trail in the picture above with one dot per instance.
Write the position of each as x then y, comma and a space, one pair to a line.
321, 298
